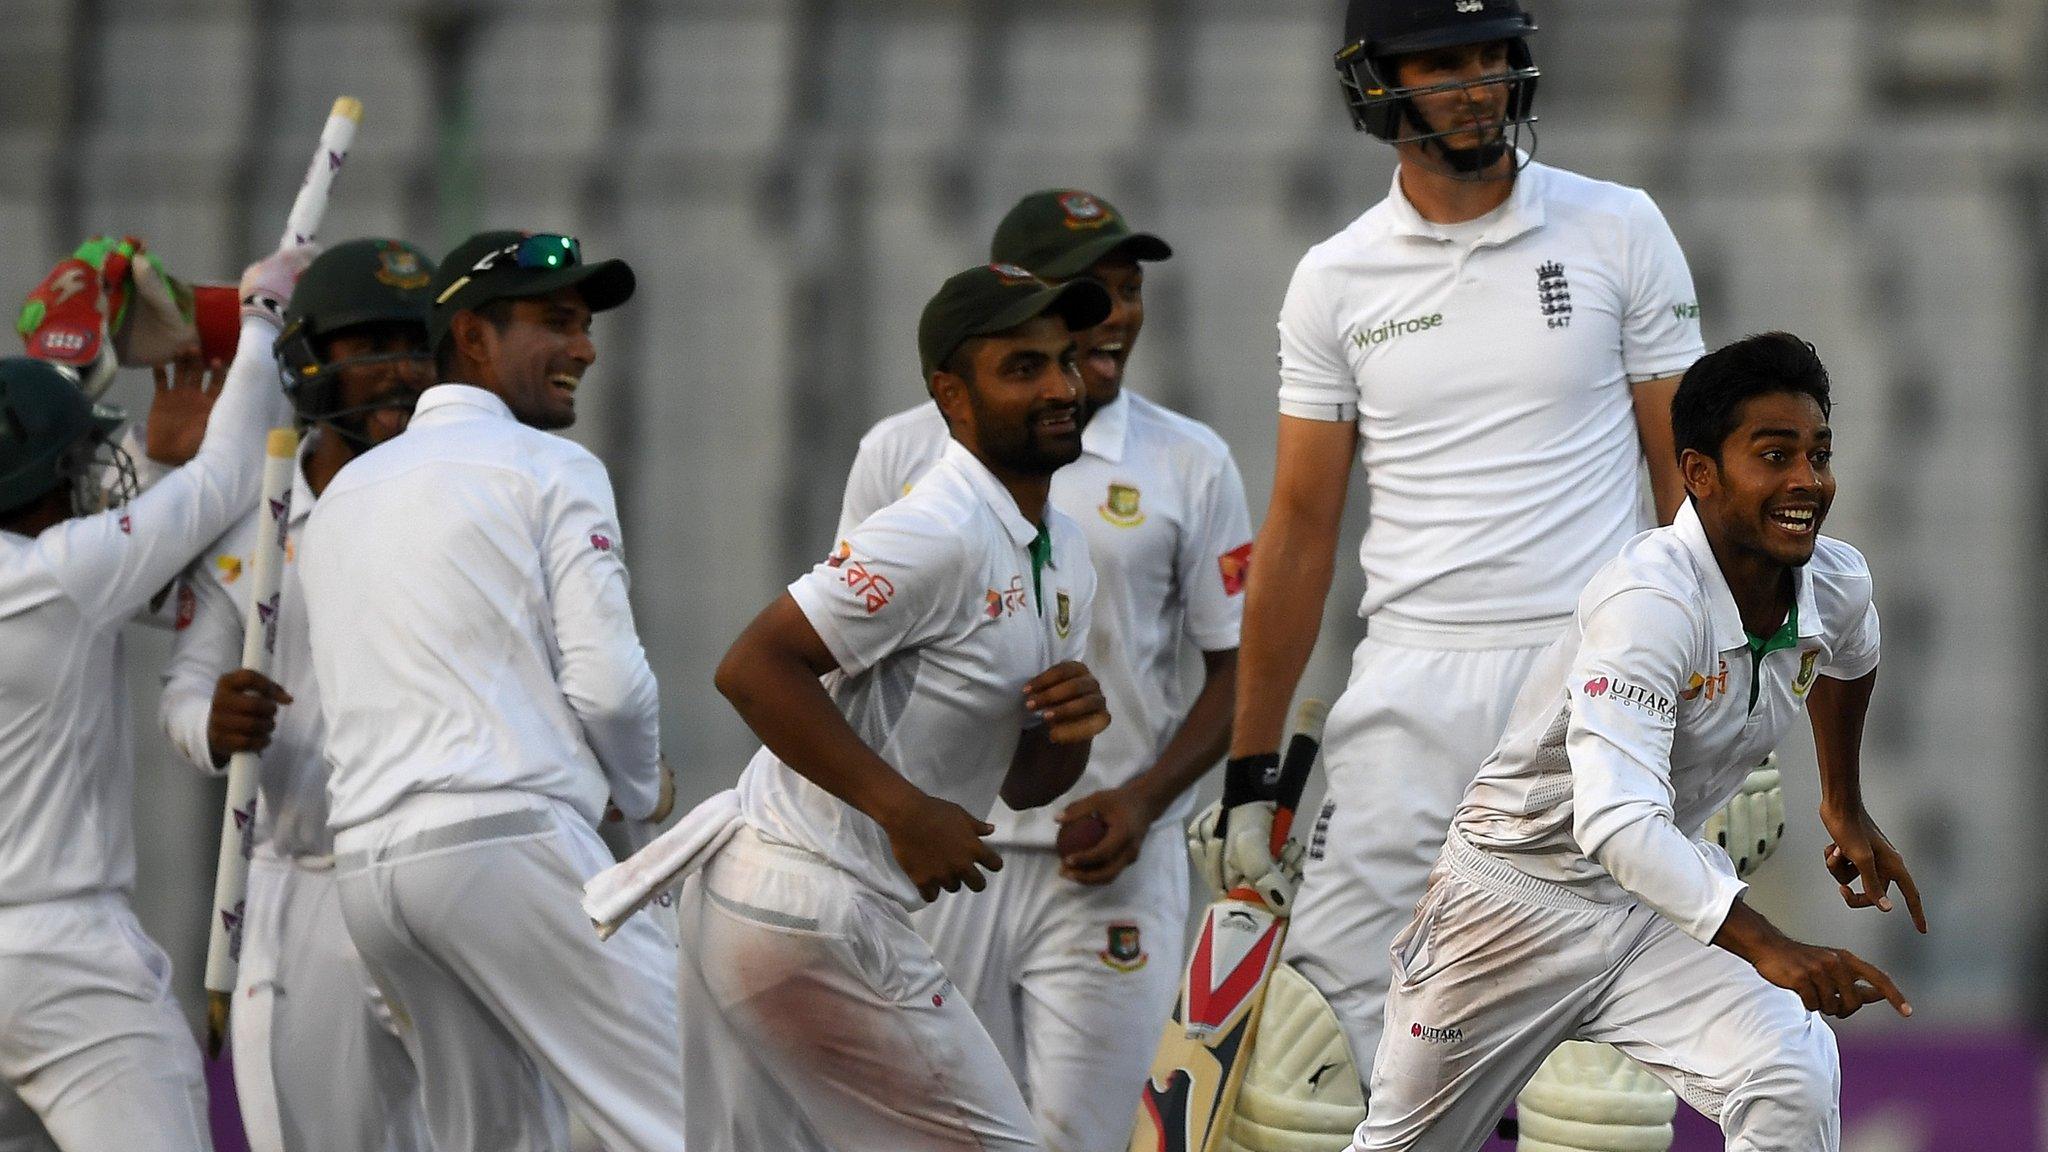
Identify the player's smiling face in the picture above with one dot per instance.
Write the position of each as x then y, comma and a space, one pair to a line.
1106, 348
1021, 410
541, 355
1771, 490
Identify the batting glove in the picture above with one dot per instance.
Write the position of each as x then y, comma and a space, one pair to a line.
267, 284
1750, 827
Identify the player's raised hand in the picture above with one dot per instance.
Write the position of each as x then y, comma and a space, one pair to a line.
179, 409
267, 284
938, 845
244, 714
1860, 850
1069, 701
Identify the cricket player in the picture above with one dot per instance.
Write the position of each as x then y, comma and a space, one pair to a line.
930, 664
1498, 342
318, 1062
483, 690
1574, 897
1073, 963
91, 1038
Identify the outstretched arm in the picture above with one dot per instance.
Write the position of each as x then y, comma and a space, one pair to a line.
1837, 709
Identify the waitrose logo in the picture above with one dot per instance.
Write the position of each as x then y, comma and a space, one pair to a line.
1367, 337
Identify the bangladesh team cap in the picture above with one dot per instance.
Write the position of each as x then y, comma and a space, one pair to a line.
507, 265
1060, 233
991, 298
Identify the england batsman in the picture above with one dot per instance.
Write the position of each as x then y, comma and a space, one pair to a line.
1072, 963
319, 1066
482, 690
91, 1039
932, 663
1497, 341
1574, 898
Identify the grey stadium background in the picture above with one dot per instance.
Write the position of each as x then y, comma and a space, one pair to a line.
792, 178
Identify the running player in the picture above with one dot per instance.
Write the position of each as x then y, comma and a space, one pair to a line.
93, 1041
1073, 963
1498, 341
318, 1064
930, 664
482, 688
1573, 897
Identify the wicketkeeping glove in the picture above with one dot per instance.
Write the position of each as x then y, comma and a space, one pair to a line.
1753, 822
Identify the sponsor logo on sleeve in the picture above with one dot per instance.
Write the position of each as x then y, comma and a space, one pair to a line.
1125, 952
1636, 696
1809, 667
600, 541
1236, 567
188, 606
1121, 506
1686, 311
127, 525
873, 588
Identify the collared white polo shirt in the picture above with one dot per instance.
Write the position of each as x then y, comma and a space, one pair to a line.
1488, 367
1644, 718
212, 600
1163, 507
938, 615
465, 588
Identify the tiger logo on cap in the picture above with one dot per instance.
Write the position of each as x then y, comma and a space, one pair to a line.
1084, 211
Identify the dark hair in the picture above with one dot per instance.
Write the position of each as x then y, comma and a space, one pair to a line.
1708, 405
498, 312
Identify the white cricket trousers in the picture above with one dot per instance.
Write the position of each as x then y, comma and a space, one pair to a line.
1073, 981
816, 1020
1399, 749
505, 996
319, 1065
1497, 968
91, 1038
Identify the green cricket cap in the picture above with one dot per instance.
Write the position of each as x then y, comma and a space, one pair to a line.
991, 298
1060, 233
509, 265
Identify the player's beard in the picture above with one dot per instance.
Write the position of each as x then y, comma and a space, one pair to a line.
1023, 446
1469, 163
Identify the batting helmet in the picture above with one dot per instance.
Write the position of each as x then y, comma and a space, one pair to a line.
353, 284
1377, 31
50, 433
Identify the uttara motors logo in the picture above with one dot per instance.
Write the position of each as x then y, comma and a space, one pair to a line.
1429, 1035
1370, 337
1634, 695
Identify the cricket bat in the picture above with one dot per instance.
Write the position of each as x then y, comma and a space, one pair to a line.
259, 636
1185, 1105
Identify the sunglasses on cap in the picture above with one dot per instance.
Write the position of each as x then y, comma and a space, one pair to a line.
540, 252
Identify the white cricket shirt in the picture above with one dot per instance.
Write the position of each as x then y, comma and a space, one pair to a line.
1163, 507
938, 615
212, 606
67, 763
1645, 716
465, 588
1488, 367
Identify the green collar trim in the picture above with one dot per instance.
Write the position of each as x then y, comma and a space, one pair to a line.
1787, 636
1041, 555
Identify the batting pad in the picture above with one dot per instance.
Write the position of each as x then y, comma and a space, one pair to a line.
1591, 1098
1301, 1092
